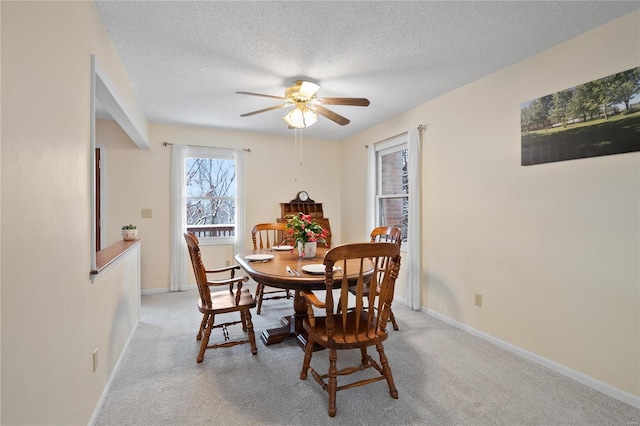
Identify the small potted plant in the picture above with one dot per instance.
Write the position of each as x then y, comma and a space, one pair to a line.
129, 232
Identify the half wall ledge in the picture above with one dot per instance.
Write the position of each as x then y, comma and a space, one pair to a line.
109, 255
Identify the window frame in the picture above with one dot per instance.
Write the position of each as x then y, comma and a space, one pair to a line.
396, 144
215, 153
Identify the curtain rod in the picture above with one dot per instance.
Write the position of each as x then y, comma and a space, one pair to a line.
165, 144
421, 128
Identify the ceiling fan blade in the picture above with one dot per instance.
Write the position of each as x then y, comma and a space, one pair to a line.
308, 89
332, 115
345, 101
264, 110
264, 96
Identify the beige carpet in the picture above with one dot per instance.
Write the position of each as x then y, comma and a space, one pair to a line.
444, 376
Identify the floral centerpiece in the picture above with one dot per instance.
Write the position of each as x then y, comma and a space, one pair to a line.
303, 229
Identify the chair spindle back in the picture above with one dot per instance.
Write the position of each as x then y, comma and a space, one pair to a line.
267, 235
376, 266
387, 234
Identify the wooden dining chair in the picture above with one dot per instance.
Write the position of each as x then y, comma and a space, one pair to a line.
265, 236
356, 327
384, 234
388, 234
236, 299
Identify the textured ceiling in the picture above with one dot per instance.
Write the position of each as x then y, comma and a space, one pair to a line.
186, 59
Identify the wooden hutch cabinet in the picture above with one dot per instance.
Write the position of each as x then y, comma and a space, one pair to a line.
303, 204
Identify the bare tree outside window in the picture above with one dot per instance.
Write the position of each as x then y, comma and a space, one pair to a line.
211, 196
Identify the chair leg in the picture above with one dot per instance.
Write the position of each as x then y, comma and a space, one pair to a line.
365, 357
393, 320
387, 371
333, 382
259, 293
308, 352
201, 329
205, 340
243, 317
252, 337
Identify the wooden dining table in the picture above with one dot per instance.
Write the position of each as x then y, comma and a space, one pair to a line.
273, 272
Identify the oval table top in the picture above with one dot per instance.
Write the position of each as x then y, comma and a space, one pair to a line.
274, 271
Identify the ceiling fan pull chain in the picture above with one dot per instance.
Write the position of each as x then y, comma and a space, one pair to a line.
300, 145
296, 151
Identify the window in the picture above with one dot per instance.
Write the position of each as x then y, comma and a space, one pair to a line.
392, 188
210, 190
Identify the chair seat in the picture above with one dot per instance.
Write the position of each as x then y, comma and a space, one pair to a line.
223, 301
345, 338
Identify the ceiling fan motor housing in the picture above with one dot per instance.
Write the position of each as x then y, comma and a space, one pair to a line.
298, 93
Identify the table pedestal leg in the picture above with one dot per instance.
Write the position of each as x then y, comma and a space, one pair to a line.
291, 326
277, 335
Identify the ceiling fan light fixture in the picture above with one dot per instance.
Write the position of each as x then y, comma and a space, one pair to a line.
306, 105
300, 117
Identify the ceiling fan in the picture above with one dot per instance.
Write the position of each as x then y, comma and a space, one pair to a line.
303, 97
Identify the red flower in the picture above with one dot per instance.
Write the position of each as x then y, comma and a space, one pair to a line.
303, 228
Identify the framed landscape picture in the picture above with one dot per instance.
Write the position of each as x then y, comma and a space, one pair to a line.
601, 117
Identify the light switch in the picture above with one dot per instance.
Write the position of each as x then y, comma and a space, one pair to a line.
478, 300
146, 213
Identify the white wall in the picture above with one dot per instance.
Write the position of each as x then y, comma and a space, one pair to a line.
53, 316
553, 248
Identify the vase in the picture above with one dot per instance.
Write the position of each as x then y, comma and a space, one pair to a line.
307, 249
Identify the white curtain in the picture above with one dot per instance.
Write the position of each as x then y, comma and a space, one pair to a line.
179, 259
414, 246
239, 246
370, 218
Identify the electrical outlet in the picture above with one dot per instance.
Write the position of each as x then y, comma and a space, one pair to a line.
95, 360
478, 300
147, 213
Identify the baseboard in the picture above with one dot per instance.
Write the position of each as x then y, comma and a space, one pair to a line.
105, 391
598, 385
164, 290
154, 291
400, 299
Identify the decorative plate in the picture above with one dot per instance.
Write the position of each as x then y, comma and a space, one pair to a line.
282, 248
258, 257
317, 268
314, 268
